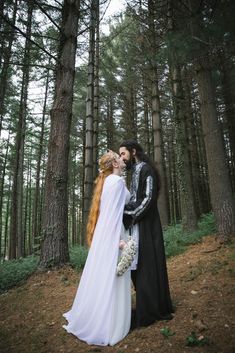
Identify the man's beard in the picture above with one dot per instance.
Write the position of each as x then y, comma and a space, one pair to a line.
129, 163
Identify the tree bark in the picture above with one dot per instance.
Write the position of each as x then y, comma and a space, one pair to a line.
146, 115
188, 210
222, 200
27, 230
128, 114
205, 202
96, 91
174, 199
156, 118
3, 174
110, 122
158, 151
191, 138
6, 227
73, 207
54, 251
228, 91
35, 221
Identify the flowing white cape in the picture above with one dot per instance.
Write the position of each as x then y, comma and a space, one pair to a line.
101, 310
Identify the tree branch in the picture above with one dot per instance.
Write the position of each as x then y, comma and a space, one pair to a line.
46, 14
33, 65
24, 35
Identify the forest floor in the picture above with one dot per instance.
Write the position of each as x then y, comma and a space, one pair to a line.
202, 282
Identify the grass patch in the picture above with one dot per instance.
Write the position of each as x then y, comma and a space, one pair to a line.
193, 340
16, 271
195, 272
176, 240
232, 256
166, 332
216, 266
78, 255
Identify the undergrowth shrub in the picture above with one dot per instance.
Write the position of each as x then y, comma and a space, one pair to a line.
176, 240
15, 271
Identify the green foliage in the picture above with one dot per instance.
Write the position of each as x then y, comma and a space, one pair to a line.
166, 332
193, 340
232, 256
172, 239
206, 224
176, 240
15, 271
78, 255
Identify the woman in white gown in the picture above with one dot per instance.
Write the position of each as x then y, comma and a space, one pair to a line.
101, 311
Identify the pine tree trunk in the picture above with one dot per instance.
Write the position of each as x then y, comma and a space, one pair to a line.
203, 171
82, 238
27, 231
110, 123
6, 63
6, 227
16, 230
88, 172
73, 211
158, 150
3, 174
129, 114
146, 115
223, 204
191, 138
175, 199
1, 12
35, 219
82, 187
41, 199
169, 173
156, 118
96, 91
229, 100
188, 210
54, 251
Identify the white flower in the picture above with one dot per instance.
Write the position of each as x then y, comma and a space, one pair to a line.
127, 256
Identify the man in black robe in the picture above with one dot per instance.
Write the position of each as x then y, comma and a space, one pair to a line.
150, 279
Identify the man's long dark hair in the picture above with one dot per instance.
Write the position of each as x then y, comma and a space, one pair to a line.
132, 144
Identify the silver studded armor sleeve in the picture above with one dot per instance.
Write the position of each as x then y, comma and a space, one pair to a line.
135, 212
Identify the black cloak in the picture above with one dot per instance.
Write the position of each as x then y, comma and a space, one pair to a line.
150, 279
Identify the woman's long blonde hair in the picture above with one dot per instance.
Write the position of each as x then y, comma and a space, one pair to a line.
105, 169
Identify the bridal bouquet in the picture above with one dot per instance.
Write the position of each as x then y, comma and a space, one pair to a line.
127, 256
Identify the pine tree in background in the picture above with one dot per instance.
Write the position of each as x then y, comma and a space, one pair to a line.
90, 124
55, 222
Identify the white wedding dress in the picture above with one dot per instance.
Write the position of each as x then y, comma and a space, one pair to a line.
101, 311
